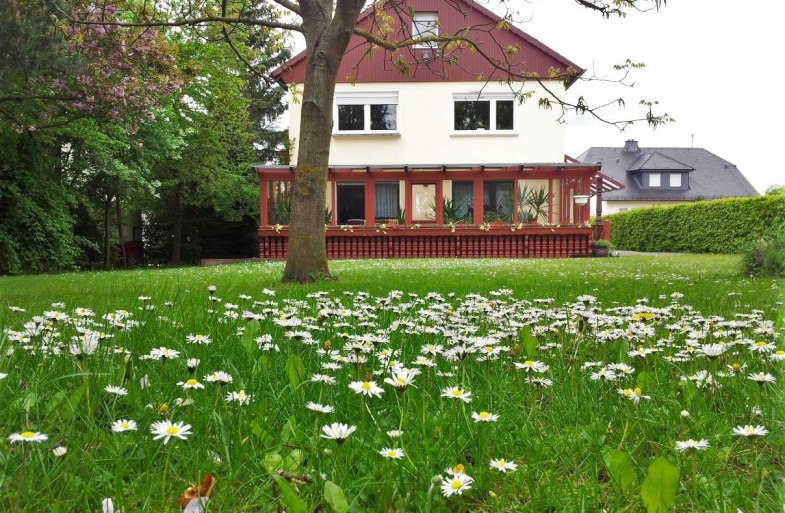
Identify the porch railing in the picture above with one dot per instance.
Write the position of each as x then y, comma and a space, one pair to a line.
440, 242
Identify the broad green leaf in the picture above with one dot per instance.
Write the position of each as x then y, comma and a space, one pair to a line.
289, 497
294, 369
272, 461
529, 342
293, 460
660, 486
334, 496
247, 340
644, 379
620, 468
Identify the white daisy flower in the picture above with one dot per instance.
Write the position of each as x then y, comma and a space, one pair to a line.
698, 445
392, 454
338, 432
122, 425
457, 393
456, 484
750, 431
167, 430
116, 390
321, 408
484, 416
369, 388
503, 465
27, 436
190, 384
239, 397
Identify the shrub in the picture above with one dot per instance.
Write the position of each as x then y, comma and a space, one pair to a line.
717, 226
766, 256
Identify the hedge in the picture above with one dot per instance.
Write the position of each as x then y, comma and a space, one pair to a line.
718, 226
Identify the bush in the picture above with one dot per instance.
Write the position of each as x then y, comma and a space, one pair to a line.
718, 226
766, 256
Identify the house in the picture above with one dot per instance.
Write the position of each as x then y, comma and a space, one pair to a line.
665, 176
442, 141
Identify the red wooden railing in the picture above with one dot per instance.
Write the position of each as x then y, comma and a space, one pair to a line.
431, 242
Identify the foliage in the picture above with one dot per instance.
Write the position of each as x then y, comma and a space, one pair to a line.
766, 256
718, 226
602, 243
532, 204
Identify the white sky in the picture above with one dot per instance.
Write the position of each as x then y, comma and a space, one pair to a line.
713, 65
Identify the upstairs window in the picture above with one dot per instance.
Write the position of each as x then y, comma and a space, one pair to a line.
371, 112
675, 180
425, 24
654, 180
488, 112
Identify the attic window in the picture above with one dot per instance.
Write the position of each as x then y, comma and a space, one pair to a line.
425, 24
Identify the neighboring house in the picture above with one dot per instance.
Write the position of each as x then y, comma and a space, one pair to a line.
448, 140
665, 176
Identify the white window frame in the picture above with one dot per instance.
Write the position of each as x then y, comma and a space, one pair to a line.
655, 180
425, 24
675, 180
480, 97
366, 99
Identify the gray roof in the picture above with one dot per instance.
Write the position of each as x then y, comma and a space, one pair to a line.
710, 176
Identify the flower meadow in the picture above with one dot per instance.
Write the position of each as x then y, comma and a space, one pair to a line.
336, 398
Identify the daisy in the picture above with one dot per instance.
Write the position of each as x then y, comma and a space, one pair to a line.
119, 426
634, 395
532, 365
115, 390
198, 339
750, 431
540, 382
321, 408
503, 465
369, 388
59, 451
392, 454
218, 377
338, 432
484, 416
402, 378
190, 384
762, 346
762, 378
239, 397
457, 393
778, 356
27, 436
395, 433
456, 484
698, 445
192, 363
166, 429
323, 378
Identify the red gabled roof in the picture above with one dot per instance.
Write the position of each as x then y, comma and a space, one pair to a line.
359, 65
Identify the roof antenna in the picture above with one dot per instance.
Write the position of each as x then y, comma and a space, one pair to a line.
692, 141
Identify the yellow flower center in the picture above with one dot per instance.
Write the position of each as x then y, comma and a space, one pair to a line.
172, 430
457, 392
484, 414
391, 454
736, 367
760, 343
401, 380
125, 425
27, 434
529, 363
366, 385
191, 382
637, 391
456, 484
458, 469
780, 353
502, 463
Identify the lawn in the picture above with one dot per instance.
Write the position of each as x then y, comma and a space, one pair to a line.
479, 385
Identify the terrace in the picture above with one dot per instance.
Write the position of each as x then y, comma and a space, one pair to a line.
433, 211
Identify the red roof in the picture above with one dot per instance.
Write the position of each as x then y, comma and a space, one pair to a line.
461, 64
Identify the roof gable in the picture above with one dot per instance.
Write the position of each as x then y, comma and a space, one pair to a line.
459, 64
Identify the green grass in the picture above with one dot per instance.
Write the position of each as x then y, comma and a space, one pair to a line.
560, 437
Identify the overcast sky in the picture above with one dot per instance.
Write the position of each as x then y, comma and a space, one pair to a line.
714, 65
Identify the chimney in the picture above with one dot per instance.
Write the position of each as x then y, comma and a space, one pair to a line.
631, 146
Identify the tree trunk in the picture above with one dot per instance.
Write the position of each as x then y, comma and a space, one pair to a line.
107, 237
177, 228
326, 41
124, 257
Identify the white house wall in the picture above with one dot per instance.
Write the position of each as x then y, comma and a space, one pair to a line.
425, 130
613, 207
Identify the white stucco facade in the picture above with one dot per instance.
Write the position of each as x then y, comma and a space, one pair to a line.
425, 128
613, 207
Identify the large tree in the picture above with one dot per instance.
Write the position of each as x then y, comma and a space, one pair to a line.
327, 27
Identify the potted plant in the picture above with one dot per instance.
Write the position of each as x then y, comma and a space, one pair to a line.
601, 247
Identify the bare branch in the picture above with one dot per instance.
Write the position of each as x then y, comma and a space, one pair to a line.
191, 22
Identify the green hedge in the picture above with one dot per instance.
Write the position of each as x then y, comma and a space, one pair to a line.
719, 226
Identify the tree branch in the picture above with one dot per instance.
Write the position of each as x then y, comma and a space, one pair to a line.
195, 21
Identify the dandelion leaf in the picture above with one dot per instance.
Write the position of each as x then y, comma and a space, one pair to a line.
247, 340
294, 369
334, 496
660, 486
293, 460
272, 461
289, 496
620, 468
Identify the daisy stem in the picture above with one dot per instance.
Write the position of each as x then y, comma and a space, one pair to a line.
166, 471
429, 497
